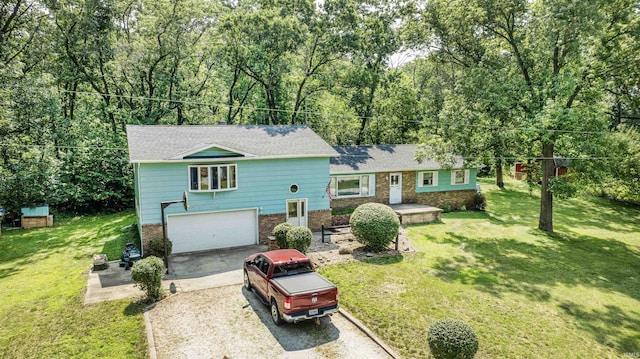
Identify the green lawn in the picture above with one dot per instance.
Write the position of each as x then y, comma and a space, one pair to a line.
527, 294
43, 278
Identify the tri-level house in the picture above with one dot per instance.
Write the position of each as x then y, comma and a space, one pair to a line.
241, 181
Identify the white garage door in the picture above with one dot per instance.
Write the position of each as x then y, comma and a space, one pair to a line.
203, 231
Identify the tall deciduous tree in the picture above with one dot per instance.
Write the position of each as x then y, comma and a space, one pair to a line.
553, 45
372, 24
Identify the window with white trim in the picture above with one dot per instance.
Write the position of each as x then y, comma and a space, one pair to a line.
353, 186
459, 177
428, 179
213, 178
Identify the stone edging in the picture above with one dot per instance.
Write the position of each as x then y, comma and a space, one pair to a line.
147, 323
369, 333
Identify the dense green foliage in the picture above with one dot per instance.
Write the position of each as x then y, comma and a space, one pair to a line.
299, 238
156, 247
452, 339
374, 225
479, 202
342, 211
43, 276
280, 232
147, 273
495, 82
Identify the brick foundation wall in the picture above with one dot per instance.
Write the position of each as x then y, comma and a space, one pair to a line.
266, 223
409, 194
453, 199
318, 218
150, 231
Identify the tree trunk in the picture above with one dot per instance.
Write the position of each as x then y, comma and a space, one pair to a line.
499, 173
546, 197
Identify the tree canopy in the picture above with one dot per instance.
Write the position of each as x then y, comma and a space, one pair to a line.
497, 82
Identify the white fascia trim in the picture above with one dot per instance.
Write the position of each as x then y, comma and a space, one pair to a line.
208, 146
385, 171
227, 159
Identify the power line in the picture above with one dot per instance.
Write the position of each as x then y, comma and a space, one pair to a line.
6, 144
304, 112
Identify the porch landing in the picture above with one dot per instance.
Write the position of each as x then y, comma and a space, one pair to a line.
410, 213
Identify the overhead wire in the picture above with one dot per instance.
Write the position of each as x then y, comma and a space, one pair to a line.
305, 112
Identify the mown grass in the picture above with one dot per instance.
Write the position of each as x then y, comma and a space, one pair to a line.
527, 294
43, 277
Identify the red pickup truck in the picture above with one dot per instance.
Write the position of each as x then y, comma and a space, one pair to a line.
286, 280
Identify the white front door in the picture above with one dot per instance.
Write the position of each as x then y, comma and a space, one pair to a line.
297, 212
395, 188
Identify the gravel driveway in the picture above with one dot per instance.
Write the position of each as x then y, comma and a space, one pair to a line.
230, 322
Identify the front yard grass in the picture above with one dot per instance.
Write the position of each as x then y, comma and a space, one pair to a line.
527, 294
43, 277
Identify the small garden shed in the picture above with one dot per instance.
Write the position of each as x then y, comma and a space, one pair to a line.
35, 216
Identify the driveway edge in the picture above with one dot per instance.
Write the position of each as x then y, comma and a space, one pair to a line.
149, 329
369, 333
150, 341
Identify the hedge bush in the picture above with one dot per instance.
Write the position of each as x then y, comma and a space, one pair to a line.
299, 238
156, 247
451, 338
479, 202
374, 225
147, 273
280, 232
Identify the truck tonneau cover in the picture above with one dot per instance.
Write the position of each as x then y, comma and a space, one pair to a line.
303, 283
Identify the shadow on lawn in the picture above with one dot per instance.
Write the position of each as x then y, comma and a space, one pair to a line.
510, 265
608, 324
73, 236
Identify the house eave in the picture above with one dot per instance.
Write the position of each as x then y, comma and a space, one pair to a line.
395, 170
227, 159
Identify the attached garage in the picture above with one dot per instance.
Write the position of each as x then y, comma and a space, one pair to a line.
212, 230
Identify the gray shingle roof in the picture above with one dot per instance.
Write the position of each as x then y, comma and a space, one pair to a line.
381, 158
166, 143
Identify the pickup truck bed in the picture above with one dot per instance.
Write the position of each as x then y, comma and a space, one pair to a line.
302, 283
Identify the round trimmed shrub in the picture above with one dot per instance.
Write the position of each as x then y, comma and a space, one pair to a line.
299, 238
451, 338
374, 225
479, 202
156, 247
147, 273
280, 232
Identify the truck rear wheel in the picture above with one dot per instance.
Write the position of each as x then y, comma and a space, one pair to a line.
247, 284
275, 313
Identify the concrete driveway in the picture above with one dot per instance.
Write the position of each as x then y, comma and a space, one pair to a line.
187, 272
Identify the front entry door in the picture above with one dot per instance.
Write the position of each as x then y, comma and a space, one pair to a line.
395, 188
297, 212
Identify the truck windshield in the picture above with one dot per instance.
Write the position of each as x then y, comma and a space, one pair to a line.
292, 268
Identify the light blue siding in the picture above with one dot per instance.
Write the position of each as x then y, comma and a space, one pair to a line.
35, 211
262, 184
444, 182
213, 152
136, 191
